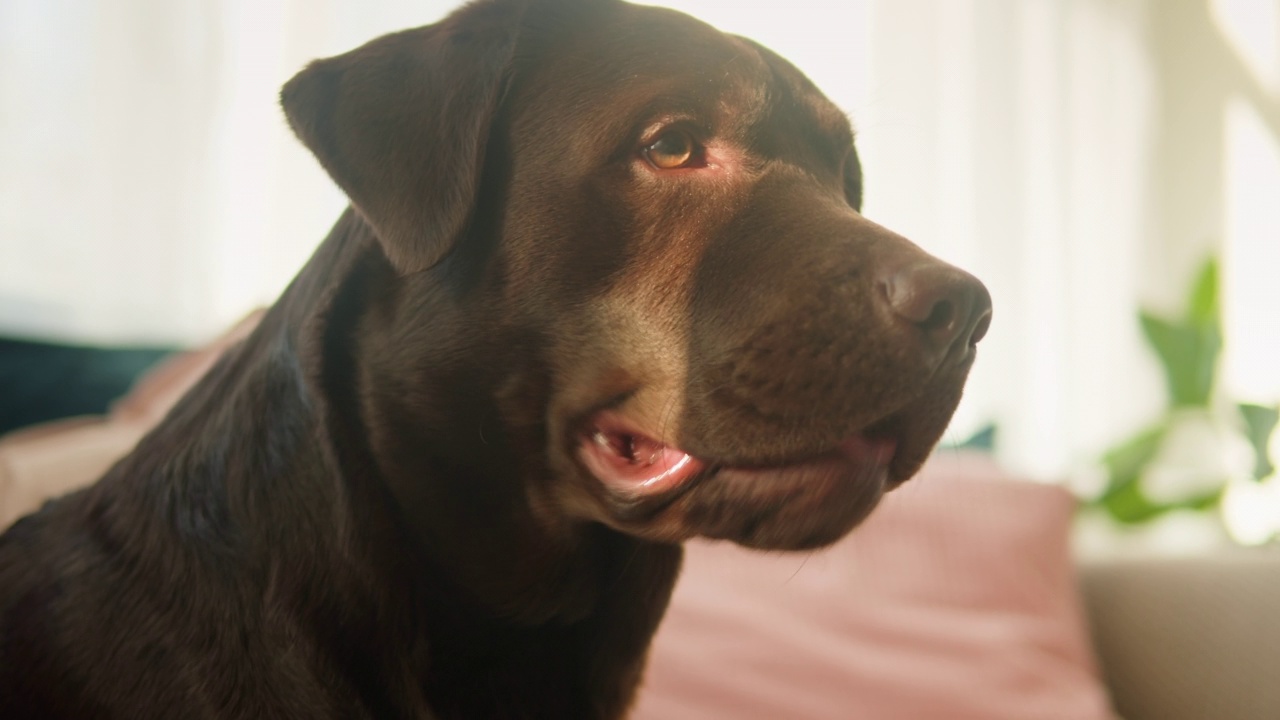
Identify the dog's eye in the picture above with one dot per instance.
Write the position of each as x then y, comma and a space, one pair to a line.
672, 150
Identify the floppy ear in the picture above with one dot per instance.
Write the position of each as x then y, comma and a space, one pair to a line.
401, 124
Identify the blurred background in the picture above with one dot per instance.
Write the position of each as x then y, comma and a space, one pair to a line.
1085, 158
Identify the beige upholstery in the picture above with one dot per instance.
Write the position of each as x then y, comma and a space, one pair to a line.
49, 460
1189, 639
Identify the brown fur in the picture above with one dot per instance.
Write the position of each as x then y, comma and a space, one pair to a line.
373, 508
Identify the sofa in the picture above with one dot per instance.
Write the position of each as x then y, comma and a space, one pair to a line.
958, 599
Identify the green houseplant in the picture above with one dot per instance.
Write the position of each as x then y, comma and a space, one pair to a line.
1201, 443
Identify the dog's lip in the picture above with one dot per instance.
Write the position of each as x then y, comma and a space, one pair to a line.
628, 460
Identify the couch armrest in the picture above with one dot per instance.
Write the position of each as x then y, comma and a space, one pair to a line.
1189, 639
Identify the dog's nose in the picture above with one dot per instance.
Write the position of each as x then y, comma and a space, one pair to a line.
947, 305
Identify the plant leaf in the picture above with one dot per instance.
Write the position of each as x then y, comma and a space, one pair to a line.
983, 440
1128, 505
1189, 355
1202, 310
1132, 507
1260, 421
1125, 462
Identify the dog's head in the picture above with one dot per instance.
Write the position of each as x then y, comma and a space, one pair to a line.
626, 280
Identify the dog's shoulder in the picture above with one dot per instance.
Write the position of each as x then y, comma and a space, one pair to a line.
50, 603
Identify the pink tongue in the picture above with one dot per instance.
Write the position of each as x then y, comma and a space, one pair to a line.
634, 463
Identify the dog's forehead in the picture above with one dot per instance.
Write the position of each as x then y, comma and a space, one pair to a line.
635, 59
805, 97
637, 48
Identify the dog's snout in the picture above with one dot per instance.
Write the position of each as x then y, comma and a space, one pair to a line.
948, 306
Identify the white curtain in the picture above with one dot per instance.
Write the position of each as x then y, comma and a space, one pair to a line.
1010, 136
149, 188
1080, 156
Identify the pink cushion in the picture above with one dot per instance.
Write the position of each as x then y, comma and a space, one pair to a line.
957, 599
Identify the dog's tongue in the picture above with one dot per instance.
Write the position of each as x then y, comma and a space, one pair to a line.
630, 462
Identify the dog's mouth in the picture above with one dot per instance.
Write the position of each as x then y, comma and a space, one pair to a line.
632, 463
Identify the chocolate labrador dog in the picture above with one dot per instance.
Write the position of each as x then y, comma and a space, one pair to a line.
603, 287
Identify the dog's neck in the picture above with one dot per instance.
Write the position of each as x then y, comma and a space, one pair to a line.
448, 498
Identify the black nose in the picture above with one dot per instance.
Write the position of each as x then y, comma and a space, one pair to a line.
946, 304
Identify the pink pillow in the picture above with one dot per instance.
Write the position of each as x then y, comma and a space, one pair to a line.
956, 600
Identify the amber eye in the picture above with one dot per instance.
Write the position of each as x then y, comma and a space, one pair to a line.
673, 149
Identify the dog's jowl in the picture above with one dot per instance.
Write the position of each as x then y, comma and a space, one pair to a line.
603, 286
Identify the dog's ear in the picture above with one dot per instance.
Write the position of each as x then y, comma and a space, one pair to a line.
401, 124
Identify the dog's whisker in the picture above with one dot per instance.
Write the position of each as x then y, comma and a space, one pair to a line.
804, 560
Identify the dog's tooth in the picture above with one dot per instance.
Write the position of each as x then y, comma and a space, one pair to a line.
600, 439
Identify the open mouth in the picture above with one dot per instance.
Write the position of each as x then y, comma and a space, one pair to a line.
632, 462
